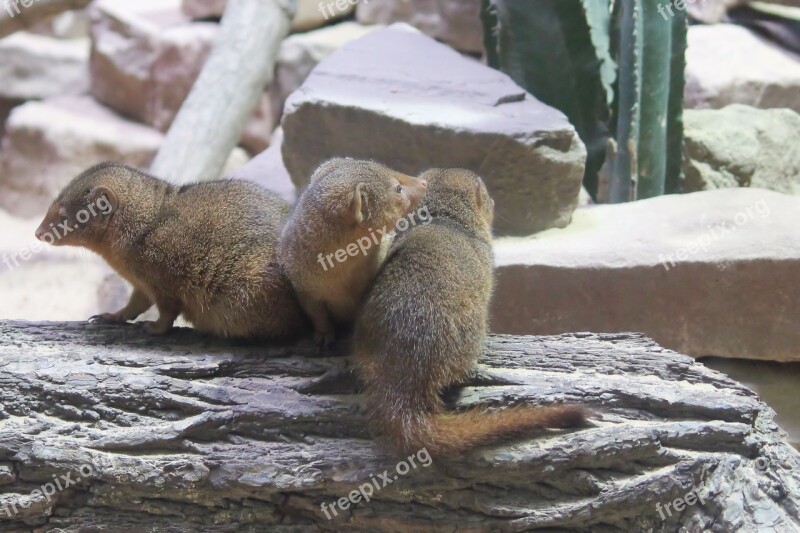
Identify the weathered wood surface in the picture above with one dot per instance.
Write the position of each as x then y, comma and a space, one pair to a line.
185, 433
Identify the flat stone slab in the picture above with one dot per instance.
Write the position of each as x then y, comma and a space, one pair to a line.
728, 64
36, 66
188, 433
708, 273
400, 98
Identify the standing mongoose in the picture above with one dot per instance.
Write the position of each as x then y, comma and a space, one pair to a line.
204, 250
333, 243
423, 323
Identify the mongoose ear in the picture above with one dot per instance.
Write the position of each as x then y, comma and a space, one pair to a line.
111, 200
478, 196
360, 205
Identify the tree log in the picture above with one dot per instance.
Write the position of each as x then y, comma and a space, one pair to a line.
189, 433
211, 120
14, 16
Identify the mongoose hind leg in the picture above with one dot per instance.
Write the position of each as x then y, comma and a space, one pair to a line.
324, 331
168, 313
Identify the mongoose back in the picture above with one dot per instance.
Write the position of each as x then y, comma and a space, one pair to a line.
204, 250
422, 327
331, 246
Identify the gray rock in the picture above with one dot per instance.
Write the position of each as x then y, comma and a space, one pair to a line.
46, 144
400, 98
707, 273
36, 66
67, 25
727, 64
740, 146
267, 169
310, 14
185, 433
146, 58
455, 22
301, 52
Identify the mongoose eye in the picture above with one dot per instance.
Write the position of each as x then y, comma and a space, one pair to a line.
398, 189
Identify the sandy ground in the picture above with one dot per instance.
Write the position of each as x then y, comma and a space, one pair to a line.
53, 283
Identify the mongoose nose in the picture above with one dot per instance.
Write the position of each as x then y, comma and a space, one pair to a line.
39, 233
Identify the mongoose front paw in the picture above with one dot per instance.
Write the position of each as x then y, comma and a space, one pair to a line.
154, 328
324, 339
107, 318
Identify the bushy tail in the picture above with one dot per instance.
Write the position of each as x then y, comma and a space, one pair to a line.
451, 434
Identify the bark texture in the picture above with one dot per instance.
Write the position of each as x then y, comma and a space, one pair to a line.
187, 433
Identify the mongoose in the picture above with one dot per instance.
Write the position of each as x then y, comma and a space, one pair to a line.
423, 323
332, 245
205, 250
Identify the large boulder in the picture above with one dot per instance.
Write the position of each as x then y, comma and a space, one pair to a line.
398, 97
707, 273
727, 64
145, 59
48, 143
36, 66
740, 146
455, 22
310, 13
299, 54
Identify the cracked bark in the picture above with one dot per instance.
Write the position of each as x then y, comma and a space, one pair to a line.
187, 433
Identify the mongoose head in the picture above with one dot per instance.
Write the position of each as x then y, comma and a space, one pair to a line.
366, 194
460, 194
82, 212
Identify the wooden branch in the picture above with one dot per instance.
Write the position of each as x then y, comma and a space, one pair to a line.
226, 93
186, 433
15, 16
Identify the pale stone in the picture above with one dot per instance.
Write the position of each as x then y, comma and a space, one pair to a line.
707, 273
727, 64
455, 22
740, 146
36, 66
46, 144
400, 98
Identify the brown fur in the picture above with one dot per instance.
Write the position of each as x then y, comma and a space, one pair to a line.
346, 200
423, 325
205, 250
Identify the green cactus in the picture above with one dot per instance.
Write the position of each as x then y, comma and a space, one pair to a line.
629, 112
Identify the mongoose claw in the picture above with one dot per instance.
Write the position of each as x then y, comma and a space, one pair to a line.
324, 340
106, 319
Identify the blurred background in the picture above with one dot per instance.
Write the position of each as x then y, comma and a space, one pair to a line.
642, 154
